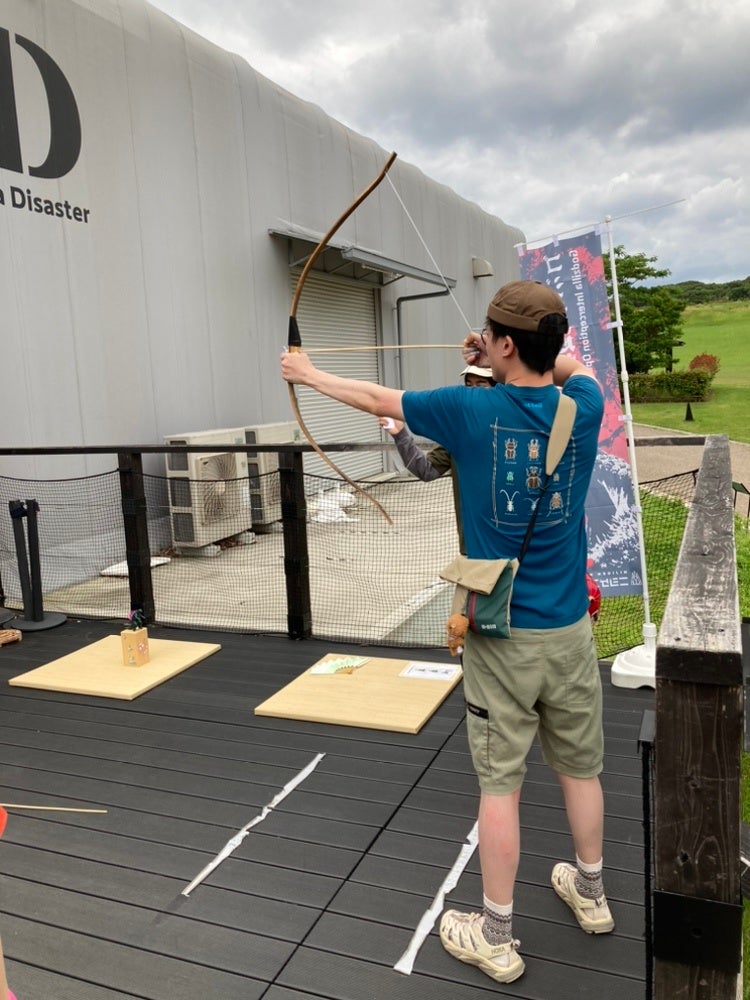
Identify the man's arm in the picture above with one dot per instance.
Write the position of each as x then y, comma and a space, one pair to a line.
379, 400
565, 367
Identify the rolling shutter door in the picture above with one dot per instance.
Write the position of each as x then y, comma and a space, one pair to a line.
337, 313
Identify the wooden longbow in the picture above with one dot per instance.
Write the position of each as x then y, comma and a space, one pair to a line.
294, 342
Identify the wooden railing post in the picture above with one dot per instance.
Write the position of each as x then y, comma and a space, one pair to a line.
296, 559
697, 918
130, 467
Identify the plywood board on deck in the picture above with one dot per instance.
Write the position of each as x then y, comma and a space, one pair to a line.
98, 669
375, 695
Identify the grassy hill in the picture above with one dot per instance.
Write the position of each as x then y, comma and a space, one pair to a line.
723, 329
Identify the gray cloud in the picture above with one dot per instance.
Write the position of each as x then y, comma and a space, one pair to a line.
550, 116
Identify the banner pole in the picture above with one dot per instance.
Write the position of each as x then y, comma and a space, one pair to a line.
649, 629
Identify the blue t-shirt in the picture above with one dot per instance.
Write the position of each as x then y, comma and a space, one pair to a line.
498, 440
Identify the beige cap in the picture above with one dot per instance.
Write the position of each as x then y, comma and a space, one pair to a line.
473, 370
522, 304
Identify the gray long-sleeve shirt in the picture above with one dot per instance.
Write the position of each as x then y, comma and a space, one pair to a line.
430, 465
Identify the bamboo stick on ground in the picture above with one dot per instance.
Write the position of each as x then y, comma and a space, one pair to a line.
65, 809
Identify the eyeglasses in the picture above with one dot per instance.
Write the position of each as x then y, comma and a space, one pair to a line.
483, 334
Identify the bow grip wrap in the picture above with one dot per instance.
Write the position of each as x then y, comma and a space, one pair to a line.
294, 341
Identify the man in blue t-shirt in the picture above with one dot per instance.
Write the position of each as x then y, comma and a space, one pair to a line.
545, 677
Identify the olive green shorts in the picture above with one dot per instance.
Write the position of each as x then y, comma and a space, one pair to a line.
539, 680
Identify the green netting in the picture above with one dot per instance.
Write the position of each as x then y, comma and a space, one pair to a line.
665, 506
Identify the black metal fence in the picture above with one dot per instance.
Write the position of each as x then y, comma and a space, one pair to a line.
273, 552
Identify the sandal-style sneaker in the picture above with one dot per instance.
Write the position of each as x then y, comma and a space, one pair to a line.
462, 937
592, 914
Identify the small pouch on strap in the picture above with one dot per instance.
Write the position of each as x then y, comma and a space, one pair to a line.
483, 592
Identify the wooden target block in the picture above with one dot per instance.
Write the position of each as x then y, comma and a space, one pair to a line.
98, 669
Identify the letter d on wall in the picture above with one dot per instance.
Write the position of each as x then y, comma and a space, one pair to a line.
64, 120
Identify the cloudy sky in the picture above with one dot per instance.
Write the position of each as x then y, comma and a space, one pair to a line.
551, 115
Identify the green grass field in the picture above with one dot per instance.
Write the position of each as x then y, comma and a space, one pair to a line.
722, 329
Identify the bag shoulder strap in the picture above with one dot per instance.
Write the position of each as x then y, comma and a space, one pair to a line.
559, 435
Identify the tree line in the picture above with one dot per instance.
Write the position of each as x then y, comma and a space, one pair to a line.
696, 293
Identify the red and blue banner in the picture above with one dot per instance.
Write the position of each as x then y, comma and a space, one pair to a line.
575, 269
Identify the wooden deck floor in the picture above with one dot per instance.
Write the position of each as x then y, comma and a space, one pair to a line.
321, 899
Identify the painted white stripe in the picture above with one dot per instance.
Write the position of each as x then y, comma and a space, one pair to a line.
406, 963
234, 842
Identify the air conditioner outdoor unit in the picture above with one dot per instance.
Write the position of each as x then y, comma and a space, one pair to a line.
262, 467
208, 492
177, 464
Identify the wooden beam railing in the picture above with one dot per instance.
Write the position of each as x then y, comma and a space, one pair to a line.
697, 909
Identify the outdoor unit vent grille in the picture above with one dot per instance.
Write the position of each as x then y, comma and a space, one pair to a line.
264, 488
263, 468
208, 492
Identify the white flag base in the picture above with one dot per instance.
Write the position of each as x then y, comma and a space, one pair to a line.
636, 667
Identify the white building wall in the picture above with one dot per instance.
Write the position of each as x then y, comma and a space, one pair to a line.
166, 310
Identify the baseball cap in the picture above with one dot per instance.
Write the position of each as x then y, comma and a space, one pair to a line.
473, 370
522, 304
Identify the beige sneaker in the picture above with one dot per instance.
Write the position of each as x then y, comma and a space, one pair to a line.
462, 937
592, 914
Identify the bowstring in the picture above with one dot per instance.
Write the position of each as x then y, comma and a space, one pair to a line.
421, 239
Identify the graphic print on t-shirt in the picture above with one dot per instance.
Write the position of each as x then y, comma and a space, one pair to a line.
518, 477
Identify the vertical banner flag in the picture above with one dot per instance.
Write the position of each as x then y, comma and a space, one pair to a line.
574, 268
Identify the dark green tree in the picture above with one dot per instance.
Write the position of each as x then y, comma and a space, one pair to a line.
651, 316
